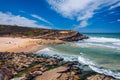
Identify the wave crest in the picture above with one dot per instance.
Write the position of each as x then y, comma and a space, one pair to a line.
95, 68
102, 42
102, 39
50, 52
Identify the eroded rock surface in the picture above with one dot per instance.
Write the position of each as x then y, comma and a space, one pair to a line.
100, 77
27, 66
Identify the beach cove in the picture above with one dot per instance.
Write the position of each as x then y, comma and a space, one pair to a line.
58, 54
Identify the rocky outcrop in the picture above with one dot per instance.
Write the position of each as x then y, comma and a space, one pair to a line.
100, 77
65, 72
24, 65
77, 36
27, 66
40, 33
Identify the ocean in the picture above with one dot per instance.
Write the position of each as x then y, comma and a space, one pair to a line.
101, 52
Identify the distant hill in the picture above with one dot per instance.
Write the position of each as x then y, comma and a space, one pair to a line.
27, 32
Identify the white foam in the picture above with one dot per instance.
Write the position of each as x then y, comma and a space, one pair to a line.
94, 67
102, 42
54, 53
105, 71
46, 51
84, 61
83, 45
102, 39
117, 44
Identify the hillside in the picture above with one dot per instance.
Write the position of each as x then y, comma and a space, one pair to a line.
27, 32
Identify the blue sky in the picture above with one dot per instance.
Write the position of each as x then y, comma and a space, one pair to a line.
83, 16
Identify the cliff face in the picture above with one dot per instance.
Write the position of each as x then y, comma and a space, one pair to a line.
17, 31
77, 36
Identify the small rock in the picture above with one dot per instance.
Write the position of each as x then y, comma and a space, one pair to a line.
37, 73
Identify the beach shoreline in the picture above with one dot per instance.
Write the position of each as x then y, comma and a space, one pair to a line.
9, 44
21, 52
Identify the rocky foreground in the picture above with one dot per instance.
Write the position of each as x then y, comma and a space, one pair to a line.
28, 66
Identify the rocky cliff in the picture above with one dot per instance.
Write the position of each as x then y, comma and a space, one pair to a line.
27, 32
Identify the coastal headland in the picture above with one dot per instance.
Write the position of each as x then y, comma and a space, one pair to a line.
18, 60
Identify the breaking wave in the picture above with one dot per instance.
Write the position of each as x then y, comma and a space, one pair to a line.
50, 52
103, 40
111, 43
98, 69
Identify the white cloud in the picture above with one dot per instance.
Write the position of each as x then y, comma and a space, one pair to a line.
10, 19
82, 24
81, 10
40, 18
115, 6
118, 20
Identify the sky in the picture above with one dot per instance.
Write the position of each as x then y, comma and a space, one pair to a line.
86, 16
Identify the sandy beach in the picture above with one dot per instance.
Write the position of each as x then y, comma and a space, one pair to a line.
9, 44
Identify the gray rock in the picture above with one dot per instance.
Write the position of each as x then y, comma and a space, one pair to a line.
1, 77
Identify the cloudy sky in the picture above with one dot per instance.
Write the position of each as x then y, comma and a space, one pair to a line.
81, 15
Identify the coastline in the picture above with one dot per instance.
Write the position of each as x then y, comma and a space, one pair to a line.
9, 44
25, 46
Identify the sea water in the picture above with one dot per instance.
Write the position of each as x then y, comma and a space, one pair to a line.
101, 52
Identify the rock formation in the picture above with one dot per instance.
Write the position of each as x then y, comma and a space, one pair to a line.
40, 33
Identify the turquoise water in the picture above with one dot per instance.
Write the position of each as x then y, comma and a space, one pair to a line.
101, 52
